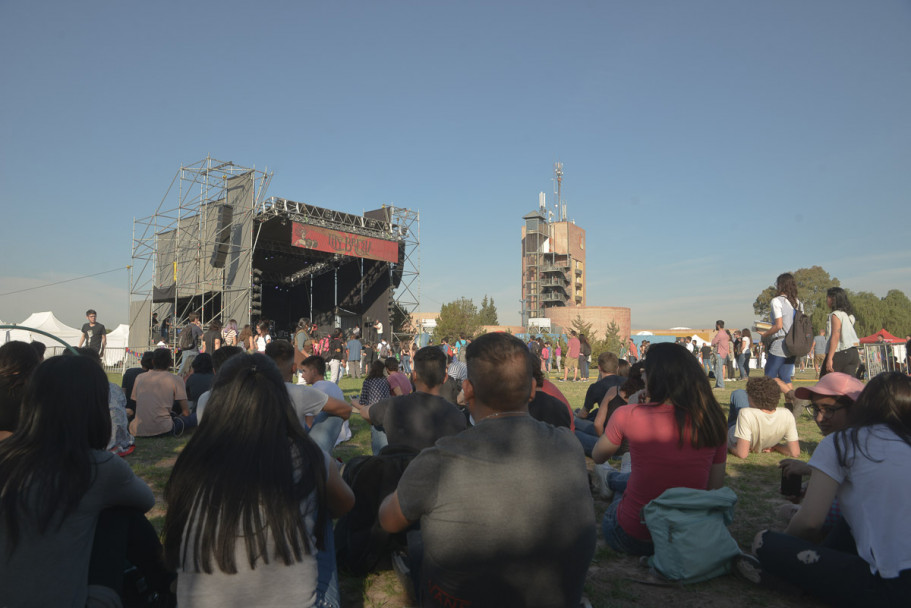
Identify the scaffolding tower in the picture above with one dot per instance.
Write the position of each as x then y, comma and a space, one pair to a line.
194, 254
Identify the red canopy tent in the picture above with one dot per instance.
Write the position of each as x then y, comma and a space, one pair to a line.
887, 337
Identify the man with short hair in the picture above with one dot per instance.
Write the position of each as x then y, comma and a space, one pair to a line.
129, 378
419, 419
93, 333
353, 355
319, 413
722, 344
505, 508
155, 393
607, 366
573, 348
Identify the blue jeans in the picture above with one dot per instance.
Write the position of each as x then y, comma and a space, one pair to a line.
743, 364
186, 358
719, 371
325, 431
327, 592
739, 401
585, 433
615, 536
779, 367
378, 440
406, 364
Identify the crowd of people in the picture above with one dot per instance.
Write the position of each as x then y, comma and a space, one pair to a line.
476, 489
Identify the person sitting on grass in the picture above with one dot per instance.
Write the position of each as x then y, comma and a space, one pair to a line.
250, 499
756, 423
678, 439
71, 513
867, 465
122, 442
155, 393
321, 415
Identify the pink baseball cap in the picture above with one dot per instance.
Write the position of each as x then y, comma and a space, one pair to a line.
835, 384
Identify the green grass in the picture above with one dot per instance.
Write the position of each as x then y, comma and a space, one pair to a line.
614, 579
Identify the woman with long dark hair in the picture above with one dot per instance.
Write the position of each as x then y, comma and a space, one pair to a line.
868, 467
585, 351
841, 339
677, 439
60, 492
743, 359
250, 496
779, 364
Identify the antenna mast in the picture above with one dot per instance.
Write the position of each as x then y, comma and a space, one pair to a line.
558, 185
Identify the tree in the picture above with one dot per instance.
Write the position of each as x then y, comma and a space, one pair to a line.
458, 317
812, 284
896, 313
612, 338
868, 312
488, 313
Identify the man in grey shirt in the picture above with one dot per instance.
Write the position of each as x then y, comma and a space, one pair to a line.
819, 351
505, 508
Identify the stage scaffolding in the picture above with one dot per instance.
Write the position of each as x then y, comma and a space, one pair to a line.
195, 253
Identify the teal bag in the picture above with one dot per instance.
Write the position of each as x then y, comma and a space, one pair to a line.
689, 530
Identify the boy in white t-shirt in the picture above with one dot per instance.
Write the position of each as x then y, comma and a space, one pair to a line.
757, 424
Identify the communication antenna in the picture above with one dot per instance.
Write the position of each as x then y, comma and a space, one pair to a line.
558, 187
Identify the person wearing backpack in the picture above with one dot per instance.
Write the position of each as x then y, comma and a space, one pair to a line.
780, 364
189, 342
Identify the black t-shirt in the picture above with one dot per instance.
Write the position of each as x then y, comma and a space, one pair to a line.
549, 409
595, 393
93, 335
336, 349
197, 384
209, 339
129, 379
417, 420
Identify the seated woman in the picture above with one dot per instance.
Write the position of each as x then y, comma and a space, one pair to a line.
679, 439
374, 389
155, 393
201, 379
250, 499
756, 423
70, 512
867, 465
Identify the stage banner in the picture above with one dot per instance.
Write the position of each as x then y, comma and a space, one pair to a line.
333, 241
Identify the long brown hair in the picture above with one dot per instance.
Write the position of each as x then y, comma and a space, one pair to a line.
787, 287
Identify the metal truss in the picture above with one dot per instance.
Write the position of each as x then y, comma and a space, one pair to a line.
326, 218
194, 186
407, 296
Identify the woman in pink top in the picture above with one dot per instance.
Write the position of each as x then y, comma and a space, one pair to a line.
679, 439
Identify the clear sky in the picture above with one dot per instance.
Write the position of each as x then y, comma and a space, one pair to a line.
707, 145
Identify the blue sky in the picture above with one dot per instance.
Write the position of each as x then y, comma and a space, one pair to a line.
707, 146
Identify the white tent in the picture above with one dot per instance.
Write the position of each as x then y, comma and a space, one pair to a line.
117, 340
698, 341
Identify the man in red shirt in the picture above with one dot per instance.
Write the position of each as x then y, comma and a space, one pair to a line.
572, 356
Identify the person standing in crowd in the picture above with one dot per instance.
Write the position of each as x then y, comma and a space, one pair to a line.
189, 342
819, 352
245, 339
229, 334
572, 356
262, 337
743, 357
841, 339
353, 356
93, 333
211, 340
585, 351
336, 355
779, 364
166, 328
722, 344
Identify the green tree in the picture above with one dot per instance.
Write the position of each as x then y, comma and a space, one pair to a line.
488, 313
868, 310
583, 327
896, 311
460, 316
812, 284
612, 338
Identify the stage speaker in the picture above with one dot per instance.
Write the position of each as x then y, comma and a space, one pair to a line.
222, 236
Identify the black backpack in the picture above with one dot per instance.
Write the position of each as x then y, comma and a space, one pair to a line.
799, 339
187, 339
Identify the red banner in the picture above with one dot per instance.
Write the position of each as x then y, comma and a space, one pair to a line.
333, 241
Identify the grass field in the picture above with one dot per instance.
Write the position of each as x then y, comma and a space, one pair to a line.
614, 580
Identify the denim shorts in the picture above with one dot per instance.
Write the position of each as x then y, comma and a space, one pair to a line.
617, 538
779, 367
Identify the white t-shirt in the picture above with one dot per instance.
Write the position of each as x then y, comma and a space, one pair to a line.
781, 308
745, 344
261, 342
762, 429
330, 388
306, 401
875, 496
